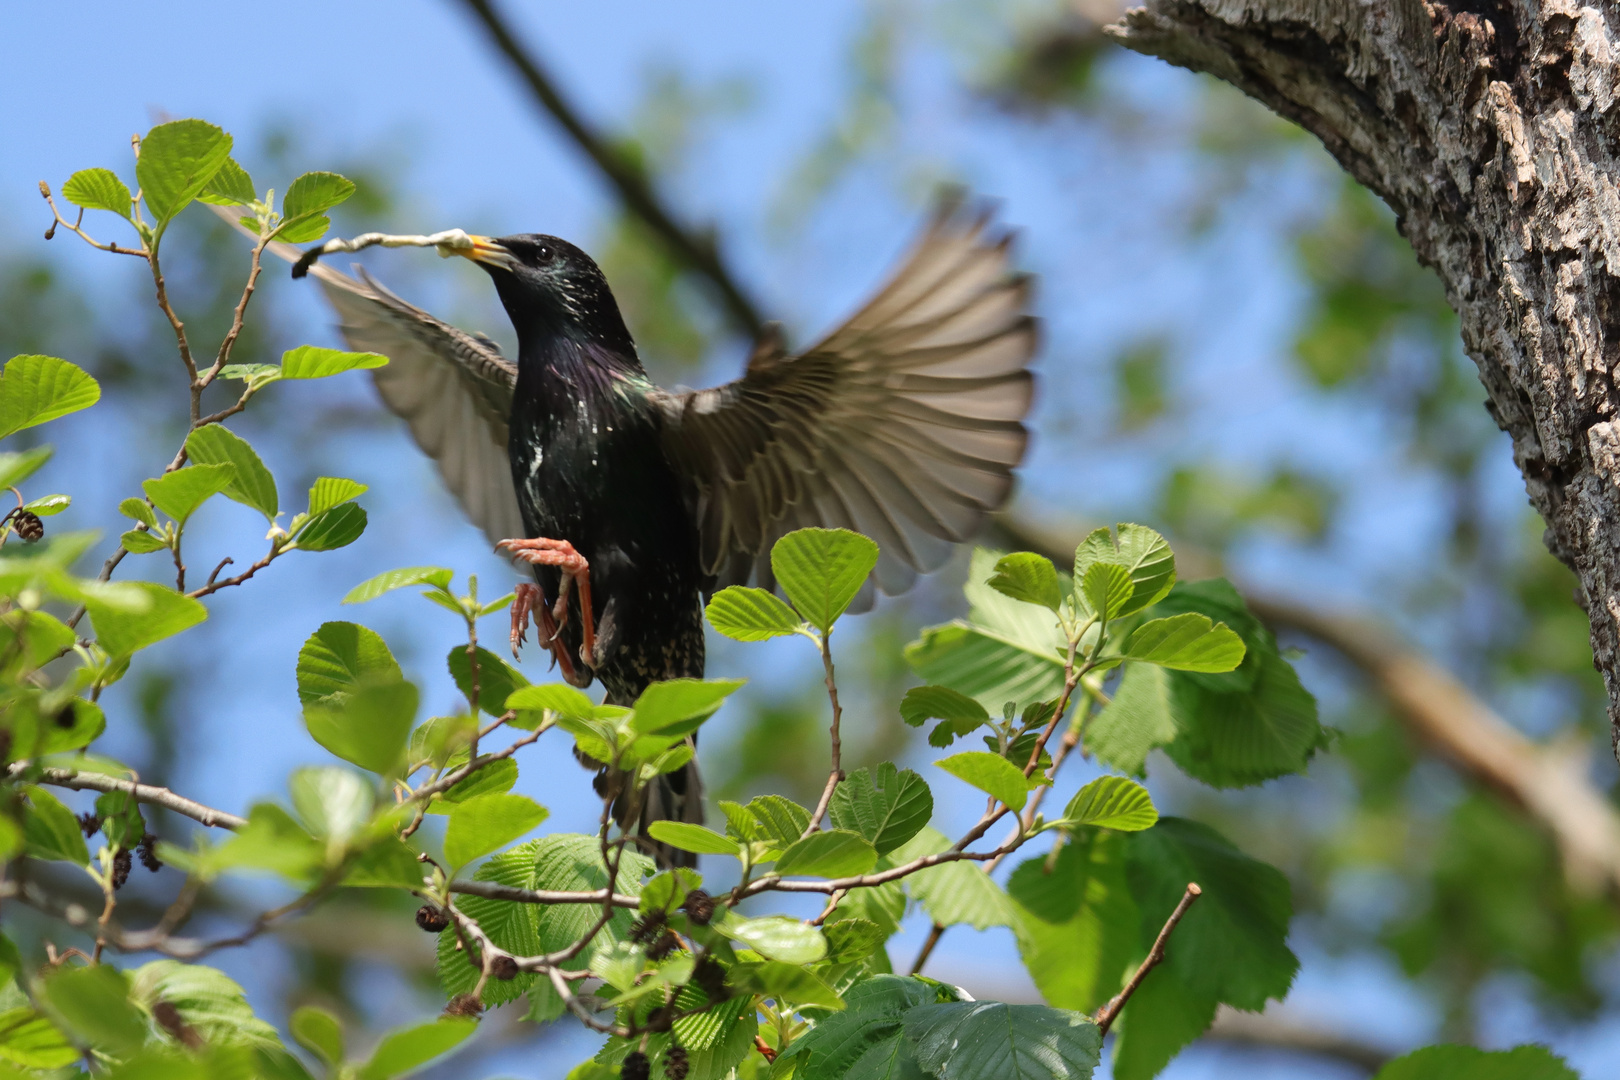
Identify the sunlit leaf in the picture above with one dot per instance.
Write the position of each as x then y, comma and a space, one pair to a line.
35, 389
1112, 802
98, 189
122, 632
821, 570
488, 822
177, 161
314, 362
744, 613
251, 484
389, 580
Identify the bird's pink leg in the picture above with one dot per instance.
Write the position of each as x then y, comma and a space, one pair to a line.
525, 603
541, 551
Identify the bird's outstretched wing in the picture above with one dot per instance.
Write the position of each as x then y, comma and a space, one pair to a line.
453, 390
904, 424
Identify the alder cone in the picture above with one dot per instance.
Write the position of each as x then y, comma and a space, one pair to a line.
635, 1066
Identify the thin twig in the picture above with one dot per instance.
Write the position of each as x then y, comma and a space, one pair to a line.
927, 949
1110, 1012
627, 177
836, 773
75, 780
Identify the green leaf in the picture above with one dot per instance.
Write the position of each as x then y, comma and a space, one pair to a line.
821, 570
777, 820
564, 862
1141, 551
251, 485
788, 983
1186, 642
564, 700
716, 1041
866, 1041
1137, 720
1112, 802
1005, 651
177, 161
831, 853
492, 779
338, 527
1077, 914
334, 803
743, 613
122, 632
272, 841
1246, 737
1233, 941
497, 680
181, 492
408, 1049
667, 890
1106, 589
694, 838
314, 362
33, 1042
207, 999
15, 467
330, 491
51, 830
339, 658
990, 773
48, 505
139, 510
852, 940
1230, 947
488, 822
137, 542
98, 189
886, 805
319, 1032
367, 726
952, 892
1448, 1062
256, 376
988, 1040
230, 186
1029, 578
389, 580
94, 1004
35, 389
776, 937
674, 704
960, 713
314, 193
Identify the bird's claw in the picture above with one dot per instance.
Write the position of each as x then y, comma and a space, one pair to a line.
541, 551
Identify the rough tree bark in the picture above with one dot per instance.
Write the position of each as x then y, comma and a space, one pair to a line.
1491, 128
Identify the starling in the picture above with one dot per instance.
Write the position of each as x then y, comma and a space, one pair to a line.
633, 503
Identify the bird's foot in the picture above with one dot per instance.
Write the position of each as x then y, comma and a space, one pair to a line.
542, 551
527, 602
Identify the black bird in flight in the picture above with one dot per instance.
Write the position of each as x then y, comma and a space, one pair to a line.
633, 503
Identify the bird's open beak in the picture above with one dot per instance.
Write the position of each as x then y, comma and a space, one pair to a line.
487, 251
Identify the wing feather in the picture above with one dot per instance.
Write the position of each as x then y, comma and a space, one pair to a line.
904, 423
453, 390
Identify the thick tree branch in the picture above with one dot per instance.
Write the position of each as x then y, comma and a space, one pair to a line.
1491, 133
687, 248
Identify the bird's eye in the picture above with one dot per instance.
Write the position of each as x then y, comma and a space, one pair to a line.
542, 254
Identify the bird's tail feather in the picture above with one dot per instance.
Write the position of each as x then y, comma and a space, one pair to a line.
672, 796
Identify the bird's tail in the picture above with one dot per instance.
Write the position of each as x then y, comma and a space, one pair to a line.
672, 796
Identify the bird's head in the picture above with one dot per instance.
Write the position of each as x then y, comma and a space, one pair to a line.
549, 287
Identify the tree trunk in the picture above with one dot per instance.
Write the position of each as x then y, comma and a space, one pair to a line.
1490, 127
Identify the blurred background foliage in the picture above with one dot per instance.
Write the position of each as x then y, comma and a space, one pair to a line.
1418, 892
